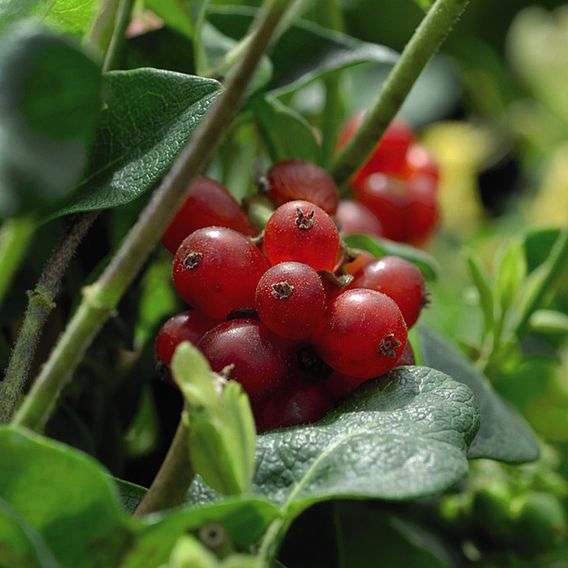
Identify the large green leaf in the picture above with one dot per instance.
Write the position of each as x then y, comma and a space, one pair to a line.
66, 497
244, 518
286, 133
401, 437
503, 434
49, 106
380, 247
305, 51
149, 117
72, 16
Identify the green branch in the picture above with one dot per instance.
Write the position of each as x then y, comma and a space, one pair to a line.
101, 298
418, 51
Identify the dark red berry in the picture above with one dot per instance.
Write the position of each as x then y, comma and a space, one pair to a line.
361, 259
294, 180
387, 200
423, 212
207, 204
362, 335
420, 161
186, 326
398, 279
339, 385
303, 232
303, 405
217, 269
261, 360
354, 217
290, 299
389, 155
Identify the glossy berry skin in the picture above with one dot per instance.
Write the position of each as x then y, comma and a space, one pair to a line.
354, 217
386, 198
217, 269
398, 279
185, 326
293, 180
262, 361
423, 212
290, 299
208, 204
303, 232
419, 161
302, 405
363, 334
388, 156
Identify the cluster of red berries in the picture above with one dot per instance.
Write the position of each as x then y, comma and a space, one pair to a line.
395, 191
291, 316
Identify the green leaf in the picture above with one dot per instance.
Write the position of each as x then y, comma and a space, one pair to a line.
175, 13
149, 117
20, 545
425, 4
305, 51
49, 107
71, 16
130, 494
511, 270
486, 299
549, 321
188, 552
398, 438
66, 497
381, 247
538, 244
286, 133
244, 518
503, 434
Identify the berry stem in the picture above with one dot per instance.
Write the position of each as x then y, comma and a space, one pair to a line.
173, 479
426, 40
101, 298
42, 298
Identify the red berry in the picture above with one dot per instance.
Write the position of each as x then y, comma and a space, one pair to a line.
354, 217
303, 232
290, 299
186, 326
339, 385
420, 161
363, 257
303, 405
423, 212
388, 156
294, 180
398, 279
261, 360
217, 270
207, 204
363, 334
386, 199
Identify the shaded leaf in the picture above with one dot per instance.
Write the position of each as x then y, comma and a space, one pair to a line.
549, 321
503, 434
511, 270
49, 107
381, 247
486, 299
149, 117
130, 494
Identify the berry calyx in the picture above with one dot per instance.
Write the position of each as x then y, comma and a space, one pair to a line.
208, 203
217, 269
290, 299
261, 361
293, 180
397, 278
362, 335
303, 232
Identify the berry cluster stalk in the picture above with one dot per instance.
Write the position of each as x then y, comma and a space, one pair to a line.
101, 298
424, 43
42, 298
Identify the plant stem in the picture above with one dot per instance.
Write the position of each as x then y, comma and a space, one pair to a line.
172, 481
40, 304
15, 235
423, 44
101, 298
122, 19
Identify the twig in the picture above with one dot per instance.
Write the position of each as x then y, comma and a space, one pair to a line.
101, 298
